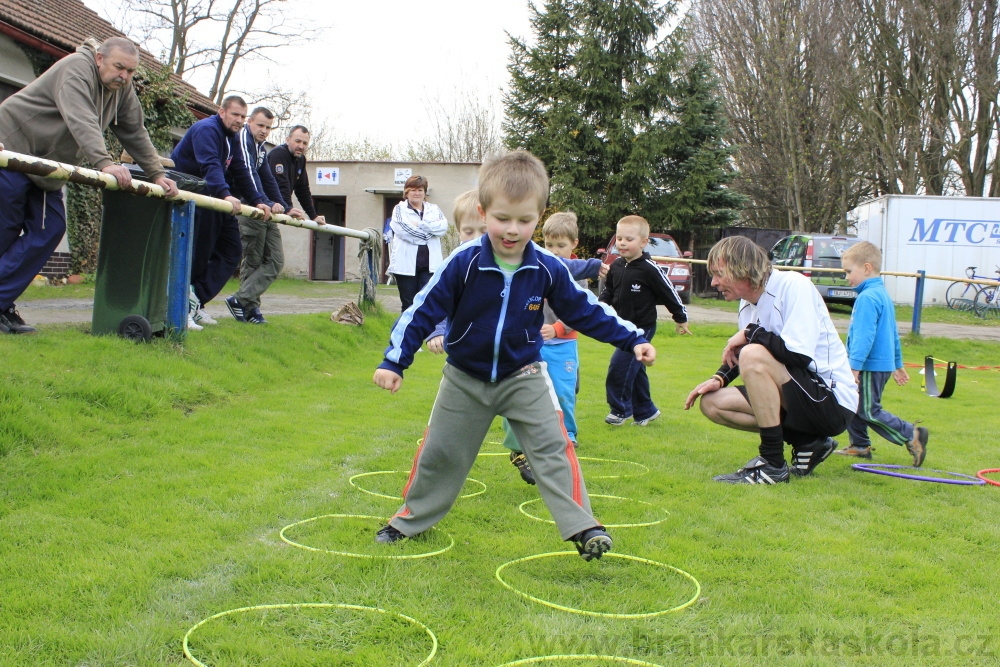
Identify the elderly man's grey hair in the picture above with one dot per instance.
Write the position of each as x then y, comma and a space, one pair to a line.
121, 44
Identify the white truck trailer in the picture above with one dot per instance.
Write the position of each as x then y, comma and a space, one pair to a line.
940, 235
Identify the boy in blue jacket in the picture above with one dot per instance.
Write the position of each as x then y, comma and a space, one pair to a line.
875, 356
491, 292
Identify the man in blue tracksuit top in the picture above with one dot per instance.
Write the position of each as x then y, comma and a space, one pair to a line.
491, 291
210, 150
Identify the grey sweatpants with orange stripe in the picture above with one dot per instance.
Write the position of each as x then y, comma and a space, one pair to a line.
463, 411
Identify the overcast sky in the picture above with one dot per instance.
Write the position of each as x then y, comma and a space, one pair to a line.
374, 63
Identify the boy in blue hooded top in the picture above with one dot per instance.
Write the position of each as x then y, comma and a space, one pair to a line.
875, 354
491, 291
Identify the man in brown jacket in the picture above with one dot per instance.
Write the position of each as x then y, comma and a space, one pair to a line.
62, 116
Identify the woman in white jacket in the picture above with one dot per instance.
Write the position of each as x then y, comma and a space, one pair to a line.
415, 250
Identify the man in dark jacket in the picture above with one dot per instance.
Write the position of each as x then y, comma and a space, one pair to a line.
288, 162
62, 116
210, 150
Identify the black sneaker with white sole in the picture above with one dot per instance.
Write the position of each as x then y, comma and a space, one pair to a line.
757, 471
388, 535
592, 543
805, 458
254, 316
11, 322
236, 308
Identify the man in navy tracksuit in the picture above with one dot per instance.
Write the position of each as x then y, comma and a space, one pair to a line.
491, 291
288, 162
263, 255
210, 150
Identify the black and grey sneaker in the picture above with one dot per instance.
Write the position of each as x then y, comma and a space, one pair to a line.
388, 535
756, 471
520, 462
254, 316
11, 322
615, 420
805, 458
235, 308
918, 446
592, 543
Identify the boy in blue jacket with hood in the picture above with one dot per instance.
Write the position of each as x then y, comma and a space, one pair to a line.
491, 292
875, 355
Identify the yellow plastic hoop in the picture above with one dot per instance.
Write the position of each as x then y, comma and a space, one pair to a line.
310, 605
587, 612
404, 472
645, 470
354, 555
563, 658
607, 525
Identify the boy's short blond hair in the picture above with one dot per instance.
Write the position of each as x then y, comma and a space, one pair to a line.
466, 206
517, 175
561, 225
862, 253
638, 222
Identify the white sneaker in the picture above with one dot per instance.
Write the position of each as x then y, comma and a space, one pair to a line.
192, 325
202, 317
193, 303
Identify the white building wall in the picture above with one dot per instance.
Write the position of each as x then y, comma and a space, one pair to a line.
364, 186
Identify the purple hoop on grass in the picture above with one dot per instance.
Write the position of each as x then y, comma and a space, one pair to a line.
886, 469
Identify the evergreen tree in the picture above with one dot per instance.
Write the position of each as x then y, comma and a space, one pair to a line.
697, 165
593, 99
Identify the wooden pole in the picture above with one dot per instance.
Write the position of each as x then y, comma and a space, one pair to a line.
36, 166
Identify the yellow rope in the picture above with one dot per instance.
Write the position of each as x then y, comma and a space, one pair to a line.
350, 554
587, 612
607, 525
310, 605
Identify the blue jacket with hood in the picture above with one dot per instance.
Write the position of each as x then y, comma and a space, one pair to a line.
872, 338
494, 322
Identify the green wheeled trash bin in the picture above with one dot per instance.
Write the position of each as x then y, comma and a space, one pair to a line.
144, 262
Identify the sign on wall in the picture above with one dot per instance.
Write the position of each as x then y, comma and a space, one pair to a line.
401, 176
327, 175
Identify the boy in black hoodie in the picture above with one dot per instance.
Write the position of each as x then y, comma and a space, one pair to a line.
634, 286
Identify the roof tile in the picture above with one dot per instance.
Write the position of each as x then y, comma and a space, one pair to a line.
66, 24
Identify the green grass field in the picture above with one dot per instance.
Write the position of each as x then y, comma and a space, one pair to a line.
144, 487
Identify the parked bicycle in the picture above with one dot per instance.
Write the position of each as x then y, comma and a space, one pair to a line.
961, 295
987, 302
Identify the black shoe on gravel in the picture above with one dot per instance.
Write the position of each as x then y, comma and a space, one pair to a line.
11, 322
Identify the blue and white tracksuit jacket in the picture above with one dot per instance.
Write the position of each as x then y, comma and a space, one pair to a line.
494, 322
255, 157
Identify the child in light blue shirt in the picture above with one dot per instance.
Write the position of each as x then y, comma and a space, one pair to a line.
875, 356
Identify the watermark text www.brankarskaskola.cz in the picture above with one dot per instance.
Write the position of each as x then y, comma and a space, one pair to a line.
866, 642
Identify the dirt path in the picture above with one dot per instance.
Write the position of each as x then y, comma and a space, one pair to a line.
53, 311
